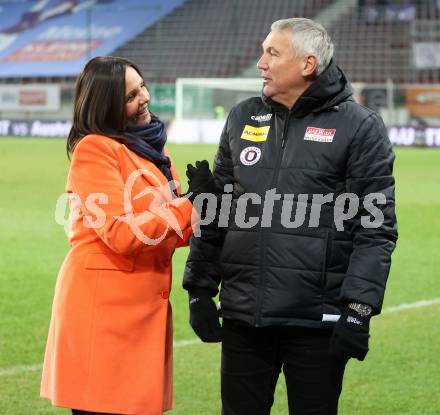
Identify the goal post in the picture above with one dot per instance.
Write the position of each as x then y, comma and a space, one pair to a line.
201, 97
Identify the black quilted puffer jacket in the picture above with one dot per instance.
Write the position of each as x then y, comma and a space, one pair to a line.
273, 267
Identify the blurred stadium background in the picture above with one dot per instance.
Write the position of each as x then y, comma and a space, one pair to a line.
198, 57
390, 50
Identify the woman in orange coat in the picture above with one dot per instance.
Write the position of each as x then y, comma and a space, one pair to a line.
109, 348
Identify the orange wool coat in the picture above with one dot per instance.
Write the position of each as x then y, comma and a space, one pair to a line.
109, 347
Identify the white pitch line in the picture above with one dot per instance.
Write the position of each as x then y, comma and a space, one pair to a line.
38, 366
19, 369
404, 306
14, 370
183, 343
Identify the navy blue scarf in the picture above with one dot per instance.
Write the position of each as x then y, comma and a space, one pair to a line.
148, 141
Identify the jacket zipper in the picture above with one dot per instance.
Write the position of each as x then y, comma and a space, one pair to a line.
263, 230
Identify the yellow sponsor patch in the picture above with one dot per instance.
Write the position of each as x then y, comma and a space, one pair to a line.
255, 133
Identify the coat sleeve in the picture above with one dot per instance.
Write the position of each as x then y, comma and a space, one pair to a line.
95, 170
370, 171
202, 270
186, 233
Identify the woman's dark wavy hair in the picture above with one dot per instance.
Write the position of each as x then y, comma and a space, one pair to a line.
99, 104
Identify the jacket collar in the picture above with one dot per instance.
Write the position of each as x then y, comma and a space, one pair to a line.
329, 89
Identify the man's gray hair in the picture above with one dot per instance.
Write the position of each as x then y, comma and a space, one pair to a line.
308, 38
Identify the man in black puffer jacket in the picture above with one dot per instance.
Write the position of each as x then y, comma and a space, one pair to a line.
302, 242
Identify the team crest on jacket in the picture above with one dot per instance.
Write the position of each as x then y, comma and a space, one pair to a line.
323, 135
250, 155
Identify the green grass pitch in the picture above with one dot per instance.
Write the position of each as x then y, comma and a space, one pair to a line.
401, 374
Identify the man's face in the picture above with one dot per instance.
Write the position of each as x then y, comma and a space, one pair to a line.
281, 71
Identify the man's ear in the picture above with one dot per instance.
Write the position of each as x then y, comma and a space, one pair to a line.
309, 66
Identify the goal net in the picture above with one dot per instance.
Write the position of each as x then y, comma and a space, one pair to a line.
202, 105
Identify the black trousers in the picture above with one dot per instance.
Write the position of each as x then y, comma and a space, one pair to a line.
253, 357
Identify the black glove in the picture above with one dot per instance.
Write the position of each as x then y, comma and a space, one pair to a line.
204, 317
200, 179
350, 335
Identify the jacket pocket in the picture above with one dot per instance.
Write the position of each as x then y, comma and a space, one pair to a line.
110, 262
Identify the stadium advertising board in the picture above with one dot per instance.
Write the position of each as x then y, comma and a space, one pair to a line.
163, 98
208, 131
34, 128
426, 55
204, 131
423, 102
411, 136
56, 38
29, 97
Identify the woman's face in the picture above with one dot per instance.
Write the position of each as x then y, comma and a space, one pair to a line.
137, 98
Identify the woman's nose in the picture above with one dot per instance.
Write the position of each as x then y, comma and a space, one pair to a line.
145, 96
